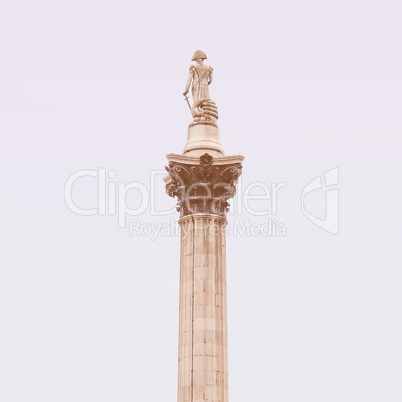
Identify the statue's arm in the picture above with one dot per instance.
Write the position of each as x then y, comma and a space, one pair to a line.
210, 77
189, 79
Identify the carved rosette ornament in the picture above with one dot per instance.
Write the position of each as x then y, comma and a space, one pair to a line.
203, 187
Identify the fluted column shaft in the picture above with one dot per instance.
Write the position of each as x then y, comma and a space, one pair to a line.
203, 357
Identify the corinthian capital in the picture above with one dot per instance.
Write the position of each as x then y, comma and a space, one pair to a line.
202, 186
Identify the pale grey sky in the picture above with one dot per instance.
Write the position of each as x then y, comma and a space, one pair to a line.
88, 313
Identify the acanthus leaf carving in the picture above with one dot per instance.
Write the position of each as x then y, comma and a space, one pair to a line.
204, 187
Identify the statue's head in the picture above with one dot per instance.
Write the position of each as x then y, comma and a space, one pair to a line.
199, 55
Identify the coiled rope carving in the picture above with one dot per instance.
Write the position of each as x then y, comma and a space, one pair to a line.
205, 109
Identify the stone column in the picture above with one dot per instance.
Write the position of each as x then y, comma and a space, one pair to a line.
203, 363
203, 180
203, 186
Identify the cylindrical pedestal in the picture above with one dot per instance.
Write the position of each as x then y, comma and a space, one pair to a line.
203, 356
201, 138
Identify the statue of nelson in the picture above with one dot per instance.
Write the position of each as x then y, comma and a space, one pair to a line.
201, 76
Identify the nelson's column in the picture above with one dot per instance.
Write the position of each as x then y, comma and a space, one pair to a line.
203, 180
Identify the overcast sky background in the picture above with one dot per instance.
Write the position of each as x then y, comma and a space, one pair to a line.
88, 313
